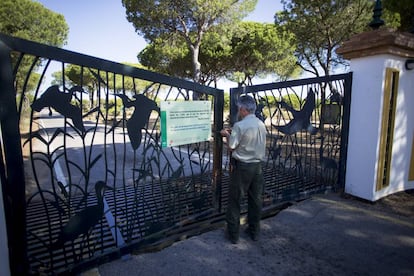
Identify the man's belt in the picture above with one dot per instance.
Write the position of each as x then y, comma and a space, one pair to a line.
234, 162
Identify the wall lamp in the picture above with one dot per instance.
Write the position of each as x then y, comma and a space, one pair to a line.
409, 64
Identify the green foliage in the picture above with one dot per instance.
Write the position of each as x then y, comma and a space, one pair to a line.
85, 106
391, 19
77, 75
171, 56
29, 84
167, 56
90, 80
227, 101
154, 18
25, 105
319, 27
293, 100
31, 20
114, 107
257, 50
271, 100
402, 12
215, 55
188, 19
246, 51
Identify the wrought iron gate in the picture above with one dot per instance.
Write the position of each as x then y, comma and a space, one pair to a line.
83, 171
307, 126
85, 179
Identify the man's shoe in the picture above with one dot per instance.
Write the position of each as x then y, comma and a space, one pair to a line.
254, 237
232, 238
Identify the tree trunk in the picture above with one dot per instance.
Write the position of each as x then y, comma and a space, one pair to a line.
195, 50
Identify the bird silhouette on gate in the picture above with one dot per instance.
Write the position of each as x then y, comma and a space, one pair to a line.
301, 118
139, 118
84, 221
61, 102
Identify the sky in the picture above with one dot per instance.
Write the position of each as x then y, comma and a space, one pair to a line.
100, 28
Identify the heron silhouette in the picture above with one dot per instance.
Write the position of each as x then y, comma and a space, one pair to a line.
301, 118
143, 108
84, 221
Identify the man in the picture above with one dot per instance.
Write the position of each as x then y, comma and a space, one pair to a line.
247, 141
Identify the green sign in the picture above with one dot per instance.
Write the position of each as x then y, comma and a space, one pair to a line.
185, 122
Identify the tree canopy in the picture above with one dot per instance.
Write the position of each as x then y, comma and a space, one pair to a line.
257, 50
320, 26
405, 11
247, 50
30, 20
167, 56
189, 19
92, 80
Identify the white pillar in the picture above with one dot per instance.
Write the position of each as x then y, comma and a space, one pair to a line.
371, 54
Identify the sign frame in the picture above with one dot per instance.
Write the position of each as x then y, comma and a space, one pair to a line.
185, 122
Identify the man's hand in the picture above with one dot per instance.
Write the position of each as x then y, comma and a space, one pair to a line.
225, 132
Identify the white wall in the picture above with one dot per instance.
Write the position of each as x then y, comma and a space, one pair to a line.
365, 127
4, 251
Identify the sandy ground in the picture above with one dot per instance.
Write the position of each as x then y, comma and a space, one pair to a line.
324, 235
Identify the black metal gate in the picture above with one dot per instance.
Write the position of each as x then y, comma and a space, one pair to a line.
85, 179
307, 125
83, 172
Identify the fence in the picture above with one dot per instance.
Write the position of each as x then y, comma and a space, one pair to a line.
307, 124
85, 178
90, 148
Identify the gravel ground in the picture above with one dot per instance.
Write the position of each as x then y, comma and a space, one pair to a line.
324, 235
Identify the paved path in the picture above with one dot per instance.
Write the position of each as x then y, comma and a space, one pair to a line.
325, 235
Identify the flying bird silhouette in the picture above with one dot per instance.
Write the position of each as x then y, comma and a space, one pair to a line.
61, 102
84, 221
301, 118
142, 111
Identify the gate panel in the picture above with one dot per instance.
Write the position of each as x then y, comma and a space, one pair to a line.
307, 126
96, 180
83, 174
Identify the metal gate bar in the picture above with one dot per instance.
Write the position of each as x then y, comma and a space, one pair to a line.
307, 122
154, 187
158, 194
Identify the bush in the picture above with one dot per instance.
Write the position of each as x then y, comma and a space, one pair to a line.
114, 108
293, 100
